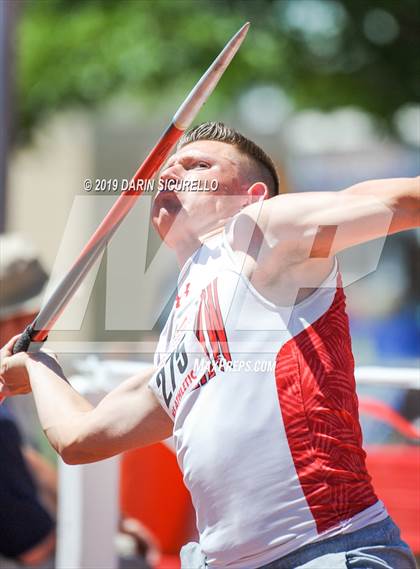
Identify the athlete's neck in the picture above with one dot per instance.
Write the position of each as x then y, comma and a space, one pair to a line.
185, 249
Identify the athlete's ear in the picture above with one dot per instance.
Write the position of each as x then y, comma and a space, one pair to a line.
257, 192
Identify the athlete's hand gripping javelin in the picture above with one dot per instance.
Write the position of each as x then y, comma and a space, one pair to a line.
14, 377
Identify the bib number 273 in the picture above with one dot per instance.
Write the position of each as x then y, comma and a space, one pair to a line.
171, 372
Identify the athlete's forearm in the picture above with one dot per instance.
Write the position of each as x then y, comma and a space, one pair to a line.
402, 195
129, 416
60, 408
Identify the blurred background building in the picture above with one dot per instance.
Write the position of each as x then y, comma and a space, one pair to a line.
330, 88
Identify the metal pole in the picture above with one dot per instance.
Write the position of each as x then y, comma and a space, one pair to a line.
7, 25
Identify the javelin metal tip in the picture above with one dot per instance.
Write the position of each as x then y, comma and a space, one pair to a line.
241, 33
238, 38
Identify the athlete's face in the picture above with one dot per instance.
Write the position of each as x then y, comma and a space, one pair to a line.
212, 183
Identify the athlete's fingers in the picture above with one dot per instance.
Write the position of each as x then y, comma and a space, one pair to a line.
7, 349
13, 373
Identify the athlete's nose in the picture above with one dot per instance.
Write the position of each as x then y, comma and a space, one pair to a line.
173, 172
171, 176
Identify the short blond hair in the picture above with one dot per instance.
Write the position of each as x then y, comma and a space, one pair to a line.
265, 170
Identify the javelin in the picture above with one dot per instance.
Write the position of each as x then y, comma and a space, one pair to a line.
38, 330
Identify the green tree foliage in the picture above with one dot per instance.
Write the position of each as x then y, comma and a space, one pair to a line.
323, 53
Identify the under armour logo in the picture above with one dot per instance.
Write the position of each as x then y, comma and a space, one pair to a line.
185, 293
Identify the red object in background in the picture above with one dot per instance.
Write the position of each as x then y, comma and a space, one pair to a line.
396, 479
152, 491
395, 469
169, 562
12, 324
387, 414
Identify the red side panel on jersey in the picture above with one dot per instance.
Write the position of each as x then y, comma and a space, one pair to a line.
316, 389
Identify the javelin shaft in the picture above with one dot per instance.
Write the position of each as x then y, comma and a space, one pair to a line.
99, 240
38, 330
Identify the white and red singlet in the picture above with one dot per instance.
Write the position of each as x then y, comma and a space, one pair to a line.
265, 413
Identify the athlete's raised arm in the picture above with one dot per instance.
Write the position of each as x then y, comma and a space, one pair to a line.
130, 416
295, 228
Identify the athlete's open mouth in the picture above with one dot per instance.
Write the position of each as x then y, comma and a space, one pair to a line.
169, 201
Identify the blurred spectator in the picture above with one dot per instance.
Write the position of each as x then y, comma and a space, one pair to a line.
26, 527
27, 480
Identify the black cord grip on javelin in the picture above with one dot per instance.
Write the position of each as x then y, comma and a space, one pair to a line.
23, 342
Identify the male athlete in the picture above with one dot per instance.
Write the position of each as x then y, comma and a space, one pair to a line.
253, 374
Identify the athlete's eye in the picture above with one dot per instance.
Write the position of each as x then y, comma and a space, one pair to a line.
201, 164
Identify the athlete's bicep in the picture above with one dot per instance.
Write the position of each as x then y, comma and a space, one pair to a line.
333, 221
128, 417
312, 225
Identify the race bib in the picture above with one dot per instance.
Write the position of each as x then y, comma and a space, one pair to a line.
185, 369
